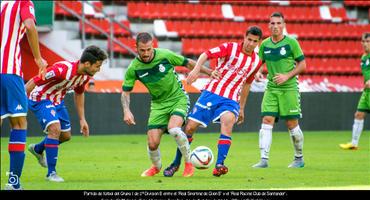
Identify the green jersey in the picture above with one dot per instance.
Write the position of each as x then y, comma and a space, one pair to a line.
281, 57
365, 67
158, 76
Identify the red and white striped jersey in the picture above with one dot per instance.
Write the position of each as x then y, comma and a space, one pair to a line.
235, 68
59, 79
13, 14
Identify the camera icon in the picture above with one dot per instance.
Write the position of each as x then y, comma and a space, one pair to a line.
13, 178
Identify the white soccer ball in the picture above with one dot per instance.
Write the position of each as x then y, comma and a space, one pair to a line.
201, 157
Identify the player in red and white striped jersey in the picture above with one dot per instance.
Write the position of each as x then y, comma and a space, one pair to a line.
17, 18
223, 99
46, 101
59, 79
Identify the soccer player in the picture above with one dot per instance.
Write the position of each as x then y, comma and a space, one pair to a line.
363, 106
46, 101
284, 60
170, 103
223, 100
17, 18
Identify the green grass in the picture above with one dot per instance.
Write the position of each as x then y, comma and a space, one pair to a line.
116, 162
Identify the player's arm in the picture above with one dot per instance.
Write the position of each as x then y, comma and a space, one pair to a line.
212, 73
193, 75
282, 78
28, 19
243, 100
79, 99
128, 117
30, 85
259, 74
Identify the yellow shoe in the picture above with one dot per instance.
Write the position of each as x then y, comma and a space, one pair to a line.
348, 146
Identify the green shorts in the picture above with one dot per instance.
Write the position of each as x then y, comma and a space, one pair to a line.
283, 104
364, 102
160, 113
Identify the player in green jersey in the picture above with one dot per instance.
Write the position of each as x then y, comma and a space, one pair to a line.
284, 60
170, 103
364, 102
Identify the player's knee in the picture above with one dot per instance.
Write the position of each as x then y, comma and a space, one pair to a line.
18, 122
153, 146
189, 130
54, 131
359, 115
268, 120
291, 124
65, 137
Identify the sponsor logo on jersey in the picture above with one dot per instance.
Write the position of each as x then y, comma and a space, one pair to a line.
267, 52
143, 75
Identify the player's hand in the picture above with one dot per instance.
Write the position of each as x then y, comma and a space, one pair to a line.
280, 78
258, 76
129, 118
42, 64
367, 84
192, 77
240, 118
215, 75
84, 128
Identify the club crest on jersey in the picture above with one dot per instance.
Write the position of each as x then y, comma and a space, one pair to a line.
162, 68
53, 112
282, 51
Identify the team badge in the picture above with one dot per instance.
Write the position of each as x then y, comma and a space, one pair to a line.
161, 68
53, 112
282, 51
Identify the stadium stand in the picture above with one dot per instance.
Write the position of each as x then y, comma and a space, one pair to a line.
328, 35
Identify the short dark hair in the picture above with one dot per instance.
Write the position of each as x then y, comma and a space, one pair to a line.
143, 37
92, 54
277, 14
254, 30
365, 35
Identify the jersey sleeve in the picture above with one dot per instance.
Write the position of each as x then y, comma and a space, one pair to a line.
297, 51
81, 88
27, 11
130, 78
218, 52
175, 59
52, 73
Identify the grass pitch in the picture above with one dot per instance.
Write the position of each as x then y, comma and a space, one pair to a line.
115, 162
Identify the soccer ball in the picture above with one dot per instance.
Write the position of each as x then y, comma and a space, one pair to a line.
201, 157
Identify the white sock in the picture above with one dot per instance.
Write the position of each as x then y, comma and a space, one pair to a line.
297, 140
358, 125
155, 157
182, 142
265, 140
